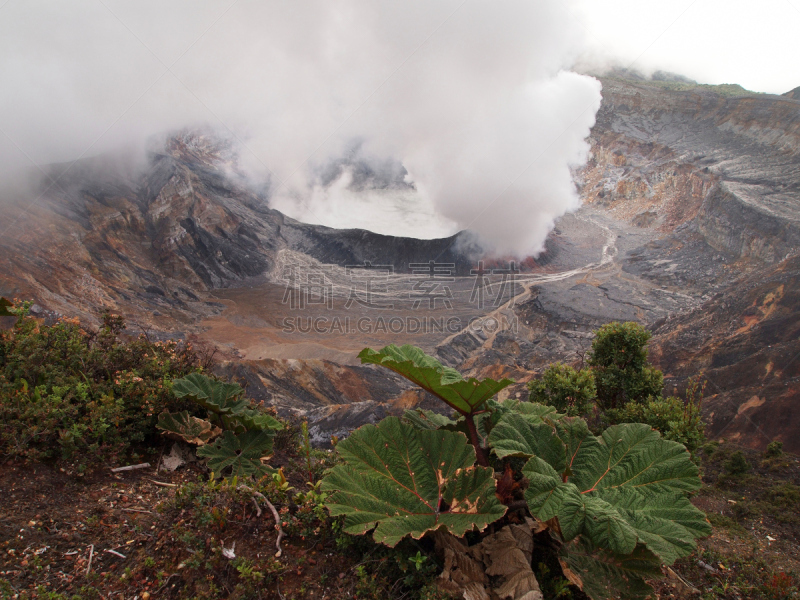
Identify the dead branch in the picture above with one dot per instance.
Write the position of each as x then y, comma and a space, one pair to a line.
258, 508
275, 515
91, 554
166, 583
162, 484
131, 467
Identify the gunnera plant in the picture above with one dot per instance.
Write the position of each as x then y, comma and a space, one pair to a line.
234, 437
615, 506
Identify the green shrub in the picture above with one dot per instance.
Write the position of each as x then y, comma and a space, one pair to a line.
569, 391
737, 464
774, 449
619, 363
624, 387
784, 496
70, 393
677, 420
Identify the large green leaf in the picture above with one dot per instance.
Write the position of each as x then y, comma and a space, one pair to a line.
216, 396
667, 523
518, 435
407, 481
223, 400
602, 574
4, 306
249, 420
463, 395
189, 429
624, 488
241, 453
427, 419
532, 410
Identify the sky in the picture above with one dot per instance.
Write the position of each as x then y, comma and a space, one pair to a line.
754, 44
477, 99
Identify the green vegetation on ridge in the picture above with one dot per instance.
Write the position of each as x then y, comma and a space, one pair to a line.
620, 386
84, 396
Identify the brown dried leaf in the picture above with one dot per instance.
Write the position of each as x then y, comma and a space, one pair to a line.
520, 585
555, 526
570, 575
504, 557
505, 554
508, 554
445, 581
537, 526
475, 591
506, 486
477, 553
524, 538
460, 569
444, 539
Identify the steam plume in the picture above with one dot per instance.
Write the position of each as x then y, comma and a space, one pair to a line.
470, 96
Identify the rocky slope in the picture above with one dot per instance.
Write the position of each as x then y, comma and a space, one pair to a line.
690, 224
155, 240
699, 192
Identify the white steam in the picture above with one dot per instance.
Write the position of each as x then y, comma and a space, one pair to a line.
470, 96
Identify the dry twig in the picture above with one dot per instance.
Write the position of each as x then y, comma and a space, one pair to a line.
163, 484
91, 554
166, 582
131, 467
275, 515
258, 508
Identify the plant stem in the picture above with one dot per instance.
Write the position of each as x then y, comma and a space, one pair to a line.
307, 450
473, 437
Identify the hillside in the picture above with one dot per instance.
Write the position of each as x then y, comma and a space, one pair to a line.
793, 94
94, 511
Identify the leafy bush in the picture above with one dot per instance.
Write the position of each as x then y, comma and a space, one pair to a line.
569, 391
677, 420
629, 390
624, 388
737, 464
774, 449
235, 435
619, 363
84, 396
710, 448
784, 496
616, 505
